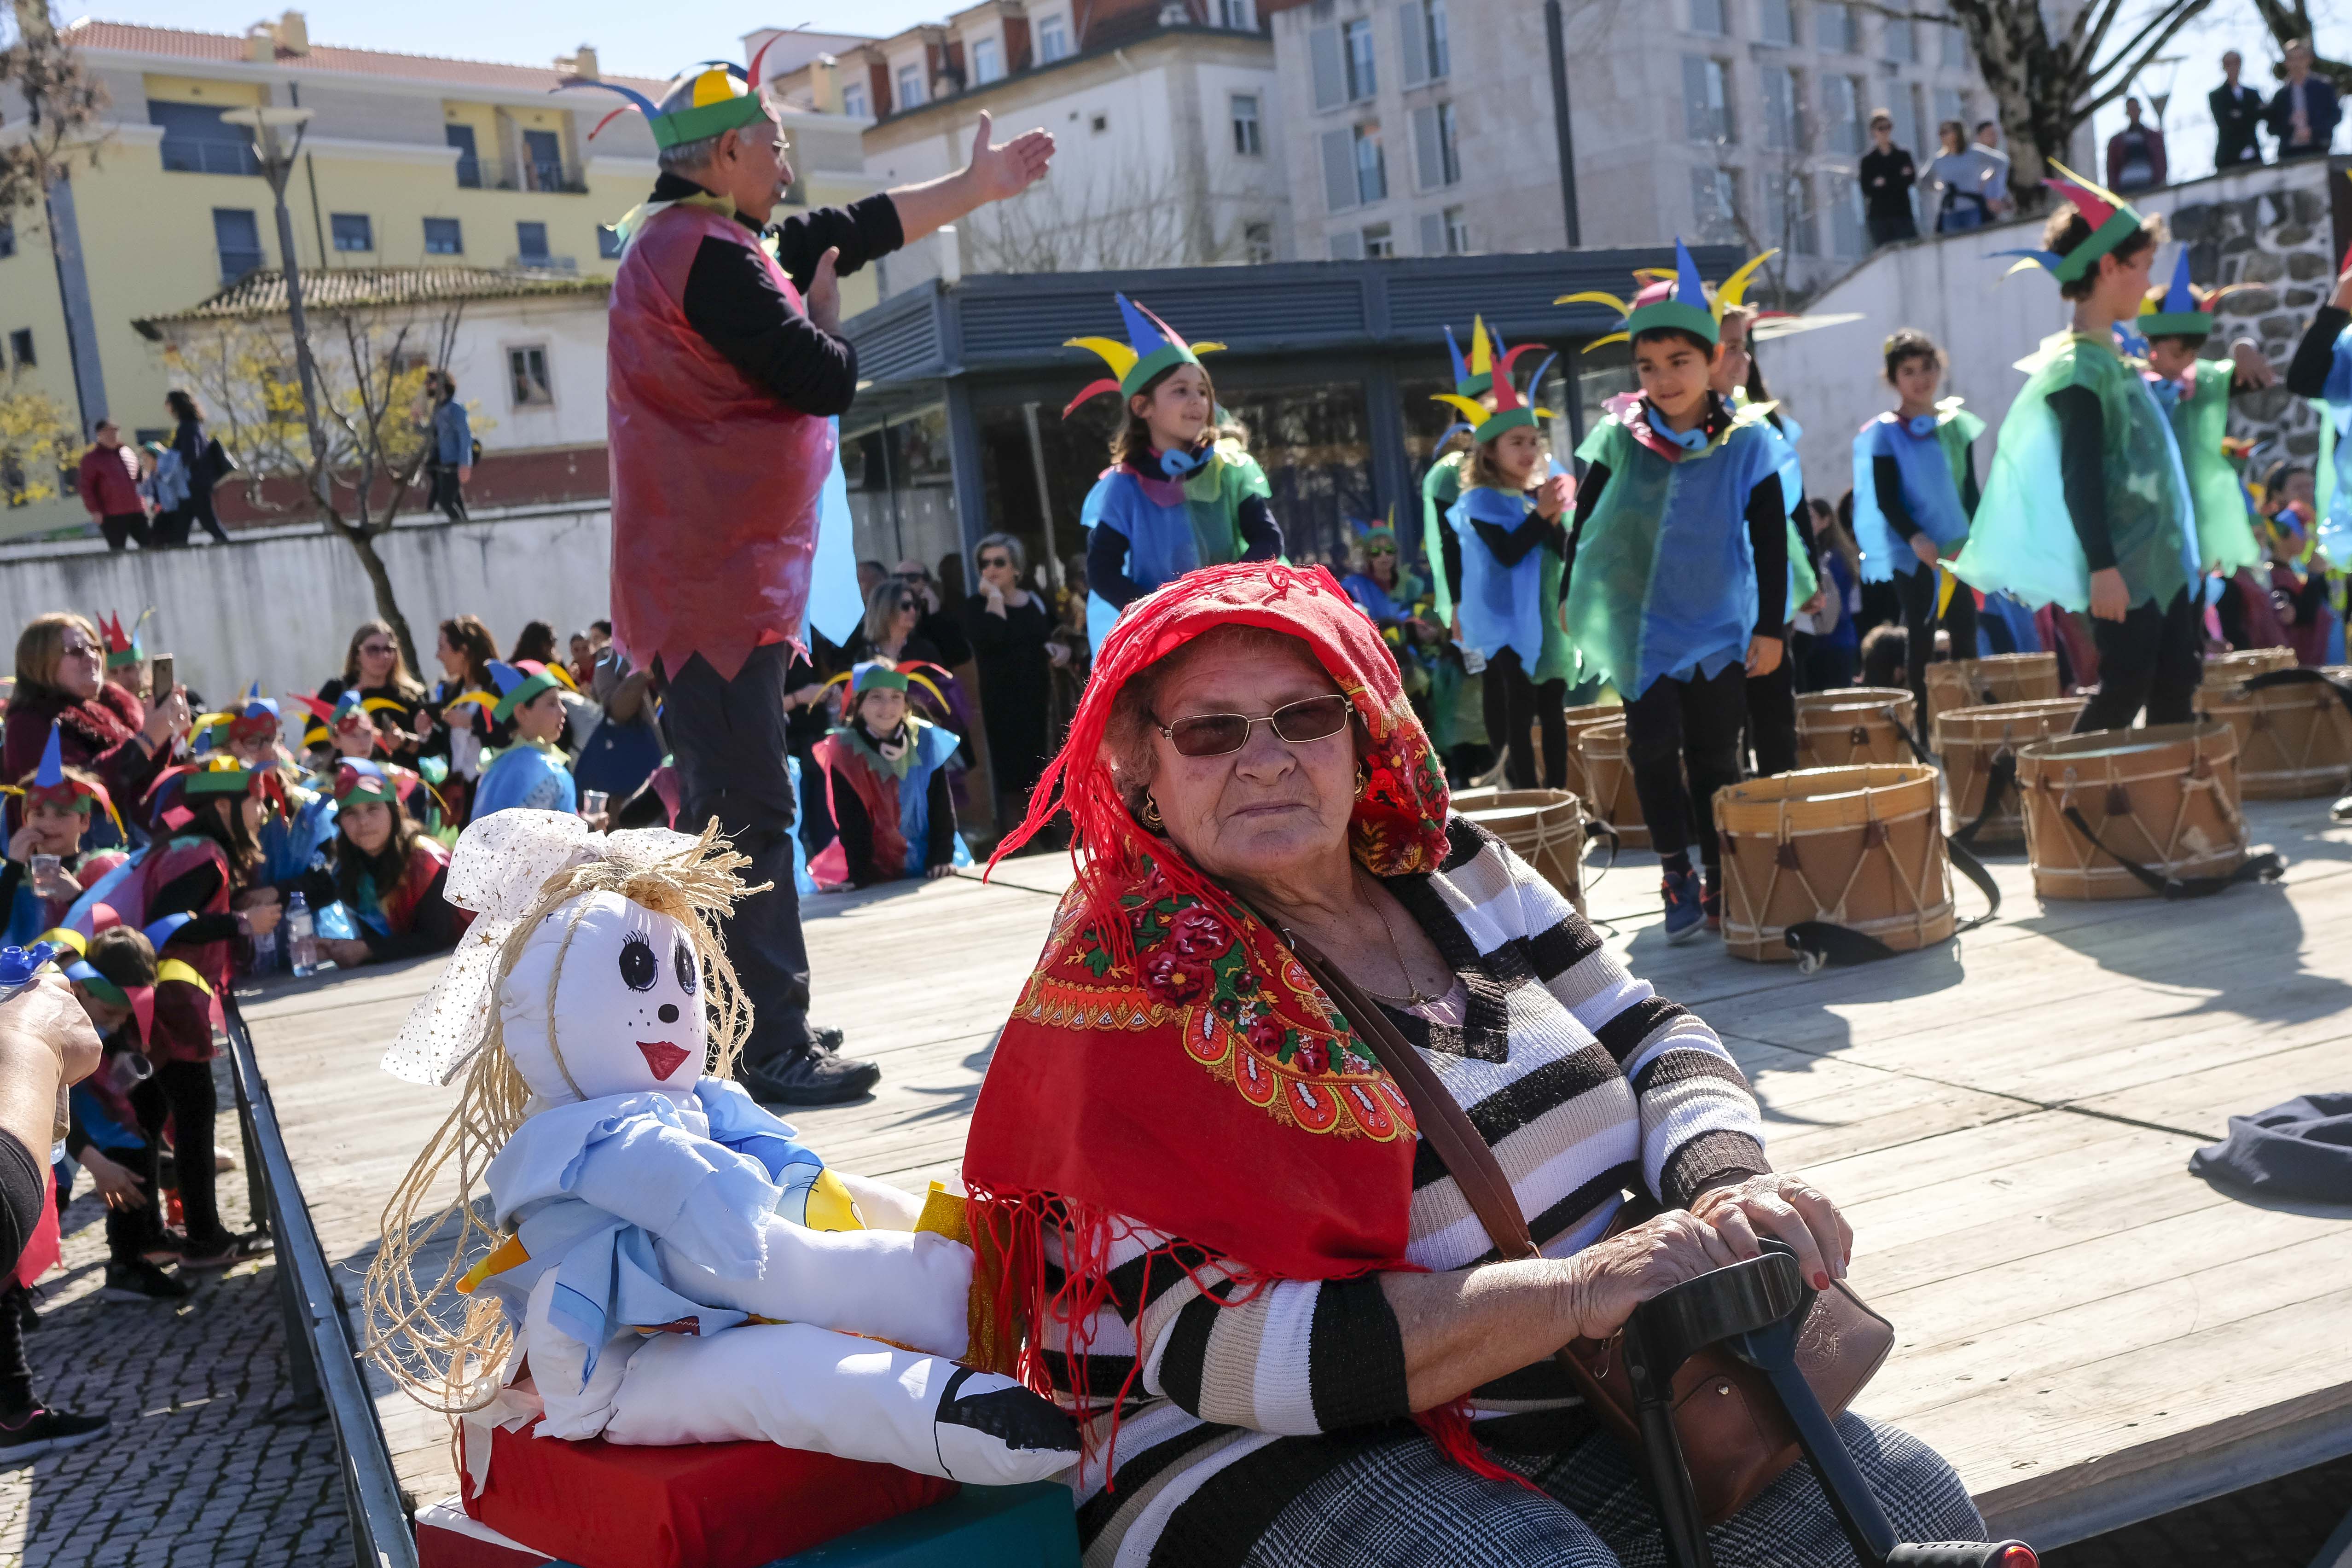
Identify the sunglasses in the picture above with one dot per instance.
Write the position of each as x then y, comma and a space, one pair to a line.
377, 649
1216, 735
1381, 550
988, 561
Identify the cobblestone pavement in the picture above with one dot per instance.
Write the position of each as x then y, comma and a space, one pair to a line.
193, 1472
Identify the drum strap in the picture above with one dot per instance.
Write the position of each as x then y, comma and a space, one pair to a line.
2267, 867
1999, 782
1819, 943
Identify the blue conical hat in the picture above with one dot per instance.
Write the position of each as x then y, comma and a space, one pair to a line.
2177, 311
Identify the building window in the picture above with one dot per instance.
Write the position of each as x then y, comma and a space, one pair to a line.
442, 237
1706, 16
1901, 41
910, 88
1714, 202
542, 162
1379, 242
1371, 163
1257, 243
1457, 231
852, 100
352, 231
196, 142
1787, 216
236, 234
1053, 39
20, 347
608, 243
531, 243
1904, 104
1833, 30
1780, 100
987, 61
1956, 45
1241, 15
1779, 18
1949, 106
1707, 99
1436, 148
527, 376
1356, 50
7, 240
1841, 114
1347, 245
1248, 136
1420, 38
469, 157
1842, 195
1099, 121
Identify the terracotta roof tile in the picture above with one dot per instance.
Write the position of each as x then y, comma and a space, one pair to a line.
263, 293
182, 43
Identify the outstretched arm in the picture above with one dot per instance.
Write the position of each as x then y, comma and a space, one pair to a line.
994, 173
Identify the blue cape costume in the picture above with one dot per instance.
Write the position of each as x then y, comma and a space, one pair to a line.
1926, 451
1172, 525
518, 774
1515, 607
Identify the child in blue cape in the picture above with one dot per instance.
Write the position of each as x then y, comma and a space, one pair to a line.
1914, 490
2322, 370
1678, 576
533, 773
1174, 498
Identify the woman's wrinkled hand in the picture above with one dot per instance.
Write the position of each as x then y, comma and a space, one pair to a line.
1609, 1279
1787, 1208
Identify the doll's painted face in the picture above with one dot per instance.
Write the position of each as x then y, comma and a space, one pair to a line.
628, 1005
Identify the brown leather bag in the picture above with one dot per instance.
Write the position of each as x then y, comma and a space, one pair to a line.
1736, 1440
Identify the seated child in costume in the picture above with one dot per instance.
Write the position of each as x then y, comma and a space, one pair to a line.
2283, 602
114, 980
885, 775
663, 1260
292, 834
56, 804
1505, 559
1175, 498
533, 773
387, 871
1914, 490
1678, 576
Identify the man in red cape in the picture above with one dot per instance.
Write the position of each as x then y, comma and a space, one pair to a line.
724, 378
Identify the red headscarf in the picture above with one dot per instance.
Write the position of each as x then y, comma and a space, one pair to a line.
1169, 1060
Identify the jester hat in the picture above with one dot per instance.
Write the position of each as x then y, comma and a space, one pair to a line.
360, 782
211, 778
52, 785
715, 96
139, 999
518, 683
1678, 302
2179, 310
1152, 347
254, 720
349, 712
1511, 410
1474, 375
123, 647
2112, 221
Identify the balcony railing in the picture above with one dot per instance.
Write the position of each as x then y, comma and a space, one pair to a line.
523, 174
542, 264
204, 155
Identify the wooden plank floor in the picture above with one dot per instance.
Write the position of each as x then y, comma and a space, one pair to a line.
2084, 1329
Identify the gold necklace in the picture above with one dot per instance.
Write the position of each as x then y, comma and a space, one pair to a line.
1413, 997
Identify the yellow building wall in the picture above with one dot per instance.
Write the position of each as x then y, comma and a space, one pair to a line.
199, 89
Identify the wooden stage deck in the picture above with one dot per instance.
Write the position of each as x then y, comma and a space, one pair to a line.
2091, 1334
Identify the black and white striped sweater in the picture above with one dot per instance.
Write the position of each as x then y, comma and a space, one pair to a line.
1584, 1082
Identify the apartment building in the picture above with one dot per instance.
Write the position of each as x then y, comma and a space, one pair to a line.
1429, 127
407, 161
1164, 111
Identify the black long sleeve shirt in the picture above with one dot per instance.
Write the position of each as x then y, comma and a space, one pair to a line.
1107, 552
1887, 482
733, 303
1768, 538
2306, 373
2083, 470
857, 828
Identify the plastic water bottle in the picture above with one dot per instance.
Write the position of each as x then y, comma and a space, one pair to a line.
301, 941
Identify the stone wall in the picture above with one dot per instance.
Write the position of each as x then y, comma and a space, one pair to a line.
2280, 247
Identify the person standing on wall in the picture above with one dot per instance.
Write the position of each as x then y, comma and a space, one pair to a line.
1996, 185
200, 454
2303, 115
2136, 160
448, 446
1887, 175
726, 366
2237, 117
108, 482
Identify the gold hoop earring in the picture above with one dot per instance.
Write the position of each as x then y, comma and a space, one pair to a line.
1363, 779
1151, 814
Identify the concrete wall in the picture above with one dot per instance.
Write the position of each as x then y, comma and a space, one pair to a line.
281, 608
2257, 223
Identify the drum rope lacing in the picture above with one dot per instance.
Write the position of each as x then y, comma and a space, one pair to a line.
1875, 836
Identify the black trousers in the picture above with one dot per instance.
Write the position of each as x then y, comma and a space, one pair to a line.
124, 527
1773, 714
200, 512
182, 1091
1513, 701
446, 495
2151, 659
728, 740
1918, 592
1686, 730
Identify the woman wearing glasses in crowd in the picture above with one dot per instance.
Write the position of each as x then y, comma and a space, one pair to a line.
1012, 635
374, 666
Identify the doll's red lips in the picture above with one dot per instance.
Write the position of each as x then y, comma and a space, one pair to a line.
662, 1056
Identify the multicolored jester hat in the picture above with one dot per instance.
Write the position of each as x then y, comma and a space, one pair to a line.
717, 95
1510, 410
1679, 302
2112, 221
1152, 346
51, 786
2182, 309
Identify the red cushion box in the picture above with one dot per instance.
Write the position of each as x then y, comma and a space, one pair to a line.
702, 1505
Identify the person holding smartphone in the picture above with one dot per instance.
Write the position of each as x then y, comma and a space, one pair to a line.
108, 732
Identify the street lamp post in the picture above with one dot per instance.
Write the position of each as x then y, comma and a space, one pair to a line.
265, 123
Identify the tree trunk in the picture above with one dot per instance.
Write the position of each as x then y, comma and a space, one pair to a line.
387, 606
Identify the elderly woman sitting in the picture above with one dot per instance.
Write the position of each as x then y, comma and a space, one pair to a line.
1227, 1244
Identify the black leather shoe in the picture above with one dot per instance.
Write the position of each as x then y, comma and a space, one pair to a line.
824, 1039
812, 1077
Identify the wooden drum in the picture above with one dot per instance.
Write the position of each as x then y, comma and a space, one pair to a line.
2294, 742
1854, 725
1603, 749
1860, 846
1544, 827
2165, 796
2229, 669
1971, 740
1579, 719
2001, 680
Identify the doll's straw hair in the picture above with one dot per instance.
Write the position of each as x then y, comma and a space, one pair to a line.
453, 1369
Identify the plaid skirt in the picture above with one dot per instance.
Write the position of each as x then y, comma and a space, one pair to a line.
1403, 1505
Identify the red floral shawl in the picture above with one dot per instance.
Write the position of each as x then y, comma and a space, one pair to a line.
1169, 1060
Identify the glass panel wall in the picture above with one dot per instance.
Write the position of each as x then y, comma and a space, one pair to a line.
902, 493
